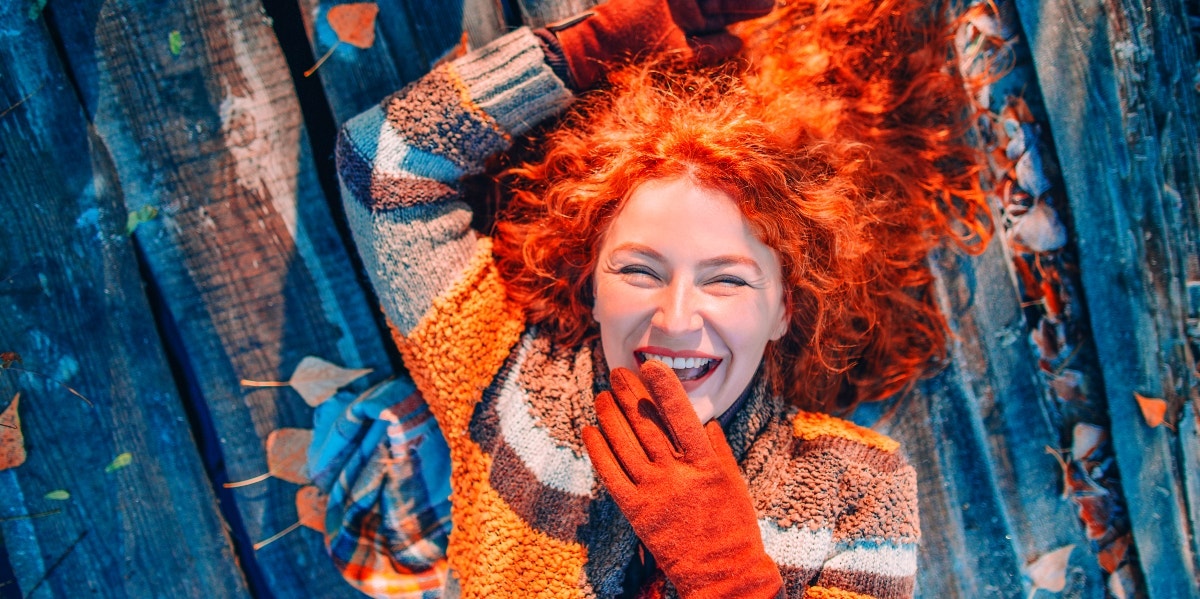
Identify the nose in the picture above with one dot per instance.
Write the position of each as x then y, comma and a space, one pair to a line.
677, 312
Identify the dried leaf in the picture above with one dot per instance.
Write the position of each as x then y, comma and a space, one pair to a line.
7, 358
119, 462
176, 42
287, 450
1153, 409
58, 495
12, 441
139, 216
317, 380
1039, 229
1096, 511
354, 23
1120, 583
310, 505
1049, 572
1111, 556
1086, 438
1066, 387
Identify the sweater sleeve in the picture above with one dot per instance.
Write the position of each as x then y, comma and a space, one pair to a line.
400, 164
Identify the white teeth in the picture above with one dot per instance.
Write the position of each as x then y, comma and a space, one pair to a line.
678, 363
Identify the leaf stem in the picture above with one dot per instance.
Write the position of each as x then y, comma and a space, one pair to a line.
37, 515
53, 380
324, 57
275, 537
250, 383
247, 482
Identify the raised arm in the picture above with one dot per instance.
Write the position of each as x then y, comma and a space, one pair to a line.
401, 162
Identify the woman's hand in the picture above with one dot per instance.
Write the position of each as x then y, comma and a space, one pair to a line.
680, 487
619, 29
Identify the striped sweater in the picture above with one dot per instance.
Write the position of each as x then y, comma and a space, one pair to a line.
836, 503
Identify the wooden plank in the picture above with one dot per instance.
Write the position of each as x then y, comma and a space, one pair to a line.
76, 312
410, 37
1127, 142
990, 495
252, 273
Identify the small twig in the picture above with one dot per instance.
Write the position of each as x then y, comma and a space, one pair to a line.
21, 101
53, 380
8, 426
37, 515
55, 565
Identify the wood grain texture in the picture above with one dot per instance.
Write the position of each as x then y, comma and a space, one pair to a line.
75, 310
1126, 134
990, 495
252, 273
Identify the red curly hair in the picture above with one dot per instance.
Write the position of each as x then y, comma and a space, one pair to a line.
842, 148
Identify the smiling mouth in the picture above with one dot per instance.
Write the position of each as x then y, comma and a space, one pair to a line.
687, 369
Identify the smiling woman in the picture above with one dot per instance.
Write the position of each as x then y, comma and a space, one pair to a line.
634, 377
682, 279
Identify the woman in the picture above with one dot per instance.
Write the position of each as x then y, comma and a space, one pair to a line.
618, 373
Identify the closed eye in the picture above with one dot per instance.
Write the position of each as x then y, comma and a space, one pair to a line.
728, 281
637, 271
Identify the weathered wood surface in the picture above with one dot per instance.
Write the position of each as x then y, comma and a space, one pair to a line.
252, 273
1121, 100
74, 308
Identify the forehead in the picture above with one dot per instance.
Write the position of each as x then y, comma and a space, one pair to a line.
677, 213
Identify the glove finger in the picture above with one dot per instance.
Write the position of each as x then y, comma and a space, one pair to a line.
678, 416
644, 417
713, 48
720, 446
606, 464
621, 439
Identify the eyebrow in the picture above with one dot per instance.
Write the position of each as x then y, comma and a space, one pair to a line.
716, 261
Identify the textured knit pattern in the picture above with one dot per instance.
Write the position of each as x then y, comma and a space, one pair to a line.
836, 504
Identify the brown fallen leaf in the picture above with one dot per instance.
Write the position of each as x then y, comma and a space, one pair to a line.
287, 454
1153, 409
1111, 556
12, 441
1120, 583
354, 24
1086, 438
310, 505
7, 358
315, 379
1049, 572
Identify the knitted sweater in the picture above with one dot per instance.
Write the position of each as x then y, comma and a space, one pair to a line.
836, 503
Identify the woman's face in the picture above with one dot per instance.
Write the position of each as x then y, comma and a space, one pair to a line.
680, 276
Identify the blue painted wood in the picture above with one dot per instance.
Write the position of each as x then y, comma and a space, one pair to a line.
72, 305
1126, 134
253, 275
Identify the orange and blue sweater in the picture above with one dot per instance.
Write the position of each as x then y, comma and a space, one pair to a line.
836, 503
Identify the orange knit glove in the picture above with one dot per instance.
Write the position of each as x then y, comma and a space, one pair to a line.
619, 29
680, 487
